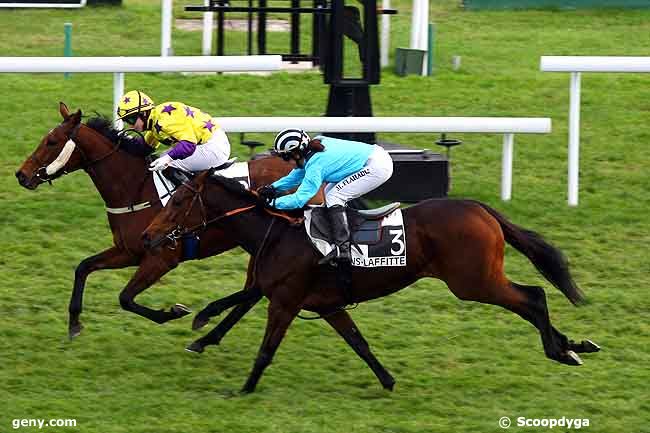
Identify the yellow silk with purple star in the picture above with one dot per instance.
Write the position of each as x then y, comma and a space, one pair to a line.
171, 122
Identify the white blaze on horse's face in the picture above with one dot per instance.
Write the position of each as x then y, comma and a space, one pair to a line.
62, 159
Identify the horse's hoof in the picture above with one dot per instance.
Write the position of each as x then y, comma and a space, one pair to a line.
246, 390
389, 385
570, 358
75, 330
199, 322
194, 348
180, 310
590, 347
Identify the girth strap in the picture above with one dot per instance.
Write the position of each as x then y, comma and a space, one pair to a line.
128, 209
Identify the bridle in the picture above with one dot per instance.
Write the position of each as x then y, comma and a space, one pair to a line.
181, 230
41, 172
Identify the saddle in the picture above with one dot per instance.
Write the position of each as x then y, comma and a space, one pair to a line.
365, 225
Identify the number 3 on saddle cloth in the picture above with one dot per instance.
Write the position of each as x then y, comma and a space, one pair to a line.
378, 235
171, 178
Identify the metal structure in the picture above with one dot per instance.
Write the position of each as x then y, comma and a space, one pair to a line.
576, 65
332, 21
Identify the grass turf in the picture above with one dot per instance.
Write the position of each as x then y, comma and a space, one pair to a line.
459, 366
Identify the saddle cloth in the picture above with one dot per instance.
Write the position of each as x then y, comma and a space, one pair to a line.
234, 170
378, 235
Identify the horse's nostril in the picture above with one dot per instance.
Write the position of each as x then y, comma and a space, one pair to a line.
21, 177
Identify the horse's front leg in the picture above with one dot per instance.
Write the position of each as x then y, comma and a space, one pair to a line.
112, 258
215, 336
345, 326
278, 320
217, 307
152, 268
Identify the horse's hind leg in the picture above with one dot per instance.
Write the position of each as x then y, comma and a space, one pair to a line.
345, 326
534, 309
585, 346
529, 302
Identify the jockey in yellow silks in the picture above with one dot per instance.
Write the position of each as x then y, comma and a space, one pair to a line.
197, 142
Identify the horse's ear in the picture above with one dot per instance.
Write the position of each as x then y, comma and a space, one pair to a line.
63, 109
76, 117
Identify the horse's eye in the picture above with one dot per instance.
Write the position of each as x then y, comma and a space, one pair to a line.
176, 202
51, 142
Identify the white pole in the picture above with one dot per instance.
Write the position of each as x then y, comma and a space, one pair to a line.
506, 167
166, 28
487, 125
385, 34
118, 91
574, 138
424, 32
207, 30
142, 64
415, 24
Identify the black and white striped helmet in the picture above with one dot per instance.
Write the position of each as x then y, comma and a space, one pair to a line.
291, 139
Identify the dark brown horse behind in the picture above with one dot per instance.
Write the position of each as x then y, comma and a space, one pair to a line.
460, 242
123, 180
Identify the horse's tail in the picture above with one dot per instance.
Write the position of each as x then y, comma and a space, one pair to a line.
548, 260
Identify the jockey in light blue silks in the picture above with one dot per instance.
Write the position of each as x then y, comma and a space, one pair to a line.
350, 169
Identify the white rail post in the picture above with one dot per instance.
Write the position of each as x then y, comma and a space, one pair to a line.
385, 34
118, 91
415, 24
206, 47
574, 138
506, 166
166, 28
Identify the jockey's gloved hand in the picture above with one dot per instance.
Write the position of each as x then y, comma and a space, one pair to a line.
160, 163
267, 193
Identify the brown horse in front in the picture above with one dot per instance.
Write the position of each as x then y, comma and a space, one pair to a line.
123, 180
460, 242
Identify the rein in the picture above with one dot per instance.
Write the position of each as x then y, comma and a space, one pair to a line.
181, 231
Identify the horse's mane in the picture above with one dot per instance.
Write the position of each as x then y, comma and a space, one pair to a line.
232, 185
105, 127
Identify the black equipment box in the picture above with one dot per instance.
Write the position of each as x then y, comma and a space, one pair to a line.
417, 175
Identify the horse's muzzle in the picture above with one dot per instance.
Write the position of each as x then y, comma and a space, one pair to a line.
25, 181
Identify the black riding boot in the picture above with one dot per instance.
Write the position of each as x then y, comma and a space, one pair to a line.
340, 236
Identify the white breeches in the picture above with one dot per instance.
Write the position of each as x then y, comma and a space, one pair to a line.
378, 169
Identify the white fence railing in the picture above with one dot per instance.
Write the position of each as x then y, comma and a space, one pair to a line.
120, 65
507, 126
576, 65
